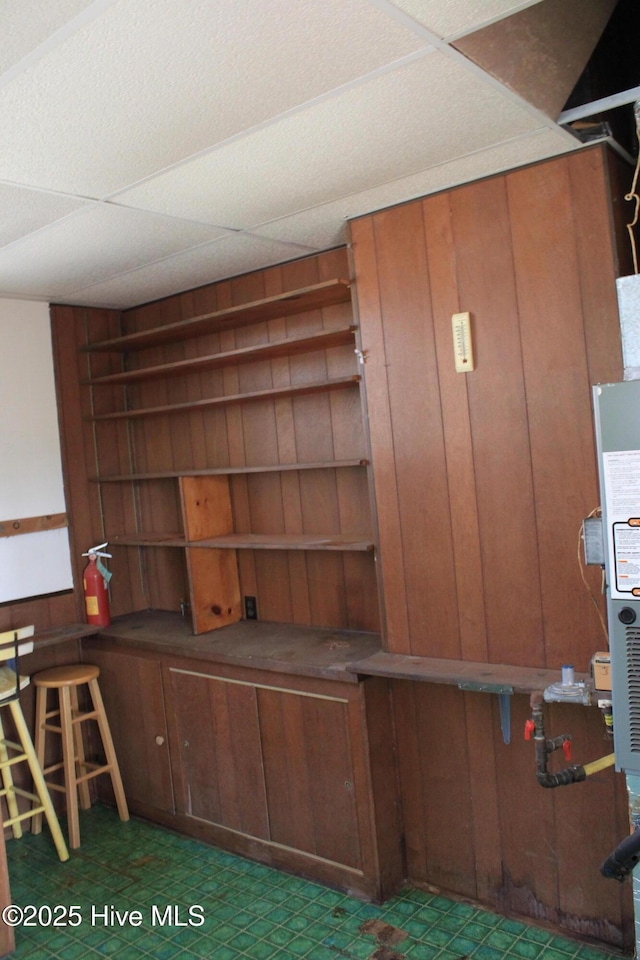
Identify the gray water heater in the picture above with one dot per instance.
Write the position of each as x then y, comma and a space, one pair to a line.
617, 422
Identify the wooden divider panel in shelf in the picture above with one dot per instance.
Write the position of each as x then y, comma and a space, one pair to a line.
214, 588
206, 507
314, 297
214, 585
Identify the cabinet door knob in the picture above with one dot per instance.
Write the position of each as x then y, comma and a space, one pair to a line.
159, 741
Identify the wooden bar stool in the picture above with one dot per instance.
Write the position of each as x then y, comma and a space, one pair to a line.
11, 683
77, 770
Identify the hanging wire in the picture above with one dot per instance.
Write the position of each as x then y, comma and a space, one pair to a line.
632, 195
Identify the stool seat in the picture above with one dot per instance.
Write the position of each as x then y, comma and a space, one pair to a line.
77, 770
73, 675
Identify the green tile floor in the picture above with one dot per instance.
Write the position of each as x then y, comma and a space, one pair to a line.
249, 911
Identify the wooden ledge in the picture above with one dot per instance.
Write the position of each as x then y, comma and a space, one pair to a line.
70, 631
468, 675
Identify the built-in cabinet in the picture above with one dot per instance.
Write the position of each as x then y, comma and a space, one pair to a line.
132, 689
276, 766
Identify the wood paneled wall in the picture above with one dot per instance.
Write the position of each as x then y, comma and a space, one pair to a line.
320, 588
481, 483
482, 479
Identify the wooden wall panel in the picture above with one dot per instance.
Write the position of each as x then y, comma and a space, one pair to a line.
401, 377
454, 402
71, 328
499, 427
384, 484
556, 381
504, 456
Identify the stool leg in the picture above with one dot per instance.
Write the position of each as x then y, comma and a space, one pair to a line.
68, 757
7, 783
39, 744
109, 749
83, 788
38, 779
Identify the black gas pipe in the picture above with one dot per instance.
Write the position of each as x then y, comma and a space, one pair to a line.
534, 729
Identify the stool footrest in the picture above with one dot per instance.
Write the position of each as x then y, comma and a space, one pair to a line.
94, 772
25, 816
12, 760
20, 792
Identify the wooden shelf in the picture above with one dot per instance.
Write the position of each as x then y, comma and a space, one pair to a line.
278, 348
285, 304
322, 386
247, 541
224, 471
468, 675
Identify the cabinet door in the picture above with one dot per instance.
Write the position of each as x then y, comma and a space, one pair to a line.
131, 687
309, 773
218, 762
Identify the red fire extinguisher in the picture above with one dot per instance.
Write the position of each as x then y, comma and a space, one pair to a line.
95, 579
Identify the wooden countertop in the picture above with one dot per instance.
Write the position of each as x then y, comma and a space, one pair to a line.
280, 647
307, 651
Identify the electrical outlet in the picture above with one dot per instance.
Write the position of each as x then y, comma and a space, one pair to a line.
250, 608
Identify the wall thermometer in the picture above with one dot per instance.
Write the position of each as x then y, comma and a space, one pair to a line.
462, 343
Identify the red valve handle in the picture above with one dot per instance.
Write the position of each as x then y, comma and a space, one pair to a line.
529, 727
566, 749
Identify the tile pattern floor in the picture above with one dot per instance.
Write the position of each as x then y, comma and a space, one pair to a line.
239, 909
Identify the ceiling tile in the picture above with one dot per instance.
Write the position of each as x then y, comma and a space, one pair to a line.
28, 24
372, 133
325, 226
151, 82
216, 261
92, 246
459, 16
24, 211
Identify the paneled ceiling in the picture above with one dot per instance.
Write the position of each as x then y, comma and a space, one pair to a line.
150, 146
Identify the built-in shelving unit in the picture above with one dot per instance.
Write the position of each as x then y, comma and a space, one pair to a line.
192, 510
